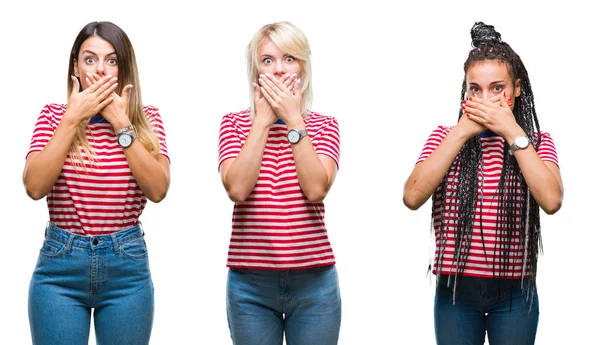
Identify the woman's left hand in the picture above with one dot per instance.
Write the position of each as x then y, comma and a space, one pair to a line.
495, 116
117, 112
285, 103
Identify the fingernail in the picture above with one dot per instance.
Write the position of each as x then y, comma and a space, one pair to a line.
298, 80
260, 80
510, 99
470, 98
468, 116
463, 107
504, 93
464, 101
261, 76
254, 84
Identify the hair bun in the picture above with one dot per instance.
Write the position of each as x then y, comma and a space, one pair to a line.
482, 33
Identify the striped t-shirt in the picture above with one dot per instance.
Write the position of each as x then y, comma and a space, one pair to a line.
276, 227
478, 263
106, 197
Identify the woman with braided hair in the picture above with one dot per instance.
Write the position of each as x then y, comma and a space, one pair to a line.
489, 175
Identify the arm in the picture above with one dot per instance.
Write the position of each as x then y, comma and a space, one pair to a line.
542, 178
151, 173
239, 174
428, 174
315, 172
43, 168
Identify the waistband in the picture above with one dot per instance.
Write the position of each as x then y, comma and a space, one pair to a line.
93, 242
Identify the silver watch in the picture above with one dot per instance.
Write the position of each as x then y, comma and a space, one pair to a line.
126, 139
294, 136
521, 142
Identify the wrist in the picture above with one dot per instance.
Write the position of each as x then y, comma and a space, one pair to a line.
120, 123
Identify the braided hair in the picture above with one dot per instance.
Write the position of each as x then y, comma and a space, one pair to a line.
518, 212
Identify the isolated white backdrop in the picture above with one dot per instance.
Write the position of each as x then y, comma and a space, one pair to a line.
389, 71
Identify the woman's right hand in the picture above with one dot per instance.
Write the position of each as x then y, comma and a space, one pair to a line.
87, 103
469, 127
262, 109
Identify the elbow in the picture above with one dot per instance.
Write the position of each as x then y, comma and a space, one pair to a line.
411, 201
552, 207
316, 196
237, 196
156, 197
33, 192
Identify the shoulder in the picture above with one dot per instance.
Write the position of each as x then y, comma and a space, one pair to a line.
238, 116
53, 112
318, 118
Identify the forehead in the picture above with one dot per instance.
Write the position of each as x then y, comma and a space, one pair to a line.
267, 47
97, 45
487, 71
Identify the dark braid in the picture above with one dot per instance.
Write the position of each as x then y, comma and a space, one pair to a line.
459, 195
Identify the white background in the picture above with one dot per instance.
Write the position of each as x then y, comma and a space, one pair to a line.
390, 74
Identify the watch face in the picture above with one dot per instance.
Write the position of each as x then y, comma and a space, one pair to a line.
521, 142
124, 140
293, 136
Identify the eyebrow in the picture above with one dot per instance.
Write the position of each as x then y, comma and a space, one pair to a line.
91, 52
492, 83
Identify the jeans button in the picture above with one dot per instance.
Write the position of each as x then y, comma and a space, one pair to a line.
94, 241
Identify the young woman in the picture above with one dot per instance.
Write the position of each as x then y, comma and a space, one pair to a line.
489, 175
277, 162
96, 159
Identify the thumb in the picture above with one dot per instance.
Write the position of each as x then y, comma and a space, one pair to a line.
76, 86
125, 93
257, 94
504, 101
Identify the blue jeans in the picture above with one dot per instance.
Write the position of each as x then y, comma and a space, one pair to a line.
75, 274
484, 304
305, 304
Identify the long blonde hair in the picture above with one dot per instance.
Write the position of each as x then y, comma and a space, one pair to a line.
128, 74
287, 37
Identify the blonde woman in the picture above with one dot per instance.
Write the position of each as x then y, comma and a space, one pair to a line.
277, 162
96, 160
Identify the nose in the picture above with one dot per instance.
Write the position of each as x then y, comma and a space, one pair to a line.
100, 70
279, 69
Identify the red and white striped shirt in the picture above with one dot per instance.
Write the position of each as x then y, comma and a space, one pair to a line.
276, 227
477, 265
106, 198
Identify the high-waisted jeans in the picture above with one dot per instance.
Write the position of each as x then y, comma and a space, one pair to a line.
263, 305
485, 304
75, 274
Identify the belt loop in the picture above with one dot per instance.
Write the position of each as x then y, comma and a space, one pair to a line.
116, 244
69, 243
142, 228
48, 226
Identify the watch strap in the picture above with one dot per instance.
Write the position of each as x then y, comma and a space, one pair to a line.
125, 129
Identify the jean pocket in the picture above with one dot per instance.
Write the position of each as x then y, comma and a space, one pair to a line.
135, 248
52, 248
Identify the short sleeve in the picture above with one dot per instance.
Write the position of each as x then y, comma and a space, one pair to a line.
329, 141
432, 143
230, 143
158, 127
45, 127
547, 150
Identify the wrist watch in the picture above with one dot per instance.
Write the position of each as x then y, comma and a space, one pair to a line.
126, 136
294, 136
521, 142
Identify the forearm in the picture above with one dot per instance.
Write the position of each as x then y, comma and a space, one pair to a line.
543, 179
43, 168
312, 175
150, 175
241, 175
427, 175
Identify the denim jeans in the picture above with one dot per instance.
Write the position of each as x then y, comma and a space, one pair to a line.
75, 274
485, 304
263, 305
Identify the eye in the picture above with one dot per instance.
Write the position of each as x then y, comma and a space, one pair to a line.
498, 88
89, 60
112, 62
290, 59
473, 89
267, 61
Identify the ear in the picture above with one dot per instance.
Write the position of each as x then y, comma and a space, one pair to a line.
75, 68
518, 88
